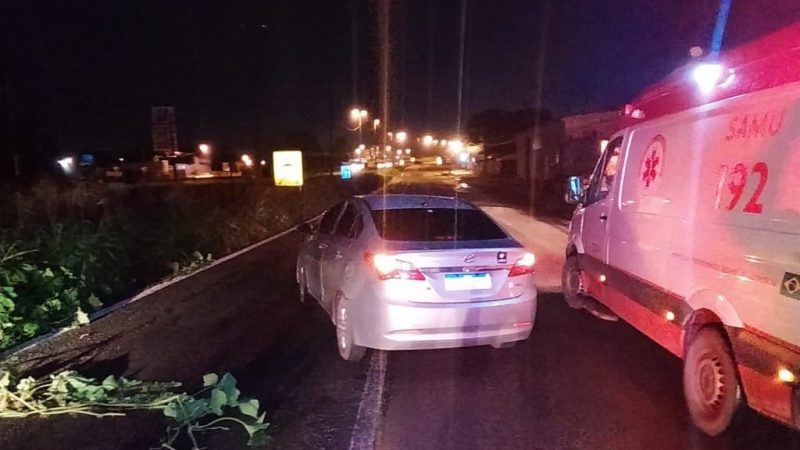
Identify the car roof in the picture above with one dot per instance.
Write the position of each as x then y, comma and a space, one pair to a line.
404, 201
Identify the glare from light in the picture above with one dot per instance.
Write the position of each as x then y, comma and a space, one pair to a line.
413, 160
247, 160
402, 162
356, 168
463, 157
602, 278
401, 137
786, 375
263, 162
204, 148
603, 145
364, 114
376, 123
408, 151
399, 151
527, 260
67, 164
355, 114
669, 315
358, 151
455, 146
427, 140
707, 76
443, 142
362, 147
121, 159
384, 264
439, 161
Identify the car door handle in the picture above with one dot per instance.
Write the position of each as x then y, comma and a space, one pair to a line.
604, 217
322, 246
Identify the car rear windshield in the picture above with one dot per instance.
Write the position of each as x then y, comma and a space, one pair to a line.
438, 224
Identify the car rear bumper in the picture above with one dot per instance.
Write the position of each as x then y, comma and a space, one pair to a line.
408, 326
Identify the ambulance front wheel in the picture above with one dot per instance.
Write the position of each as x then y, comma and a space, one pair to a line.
711, 382
572, 283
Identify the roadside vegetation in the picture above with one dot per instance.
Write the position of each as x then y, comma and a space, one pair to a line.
68, 249
217, 406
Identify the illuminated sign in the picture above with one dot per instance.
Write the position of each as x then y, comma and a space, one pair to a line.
345, 172
287, 166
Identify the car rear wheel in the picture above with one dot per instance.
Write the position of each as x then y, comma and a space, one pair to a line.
572, 283
711, 382
348, 350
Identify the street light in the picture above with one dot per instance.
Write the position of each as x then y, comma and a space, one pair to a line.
358, 116
247, 160
427, 140
375, 124
401, 137
455, 146
205, 149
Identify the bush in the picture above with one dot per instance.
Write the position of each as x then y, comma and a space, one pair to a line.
68, 250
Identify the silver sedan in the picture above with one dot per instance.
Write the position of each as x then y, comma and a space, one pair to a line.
402, 272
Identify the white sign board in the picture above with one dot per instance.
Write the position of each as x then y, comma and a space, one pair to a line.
287, 167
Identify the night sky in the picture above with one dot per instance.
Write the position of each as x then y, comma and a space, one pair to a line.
81, 75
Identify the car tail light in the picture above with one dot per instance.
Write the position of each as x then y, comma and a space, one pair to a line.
387, 267
523, 266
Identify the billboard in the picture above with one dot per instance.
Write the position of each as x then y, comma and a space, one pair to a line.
164, 130
287, 167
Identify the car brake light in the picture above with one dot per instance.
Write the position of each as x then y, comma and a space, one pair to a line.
387, 267
523, 266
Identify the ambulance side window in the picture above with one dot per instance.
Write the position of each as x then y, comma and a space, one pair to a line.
605, 172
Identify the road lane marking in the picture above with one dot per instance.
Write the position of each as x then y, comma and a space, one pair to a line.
365, 428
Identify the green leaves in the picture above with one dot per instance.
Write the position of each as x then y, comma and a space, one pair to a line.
210, 379
223, 403
70, 392
249, 408
217, 402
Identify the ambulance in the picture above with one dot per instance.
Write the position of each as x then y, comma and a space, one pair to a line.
689, 228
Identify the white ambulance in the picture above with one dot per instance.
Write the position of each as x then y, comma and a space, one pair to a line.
689, 228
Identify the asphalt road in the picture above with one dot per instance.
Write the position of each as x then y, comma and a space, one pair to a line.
578, 382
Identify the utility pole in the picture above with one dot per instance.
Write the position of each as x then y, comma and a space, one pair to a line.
431, 55
462, 33
354, 50
383, 11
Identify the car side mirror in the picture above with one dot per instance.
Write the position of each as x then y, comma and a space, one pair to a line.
574, 192
305, 228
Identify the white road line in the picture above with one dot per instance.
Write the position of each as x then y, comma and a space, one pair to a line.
365, 428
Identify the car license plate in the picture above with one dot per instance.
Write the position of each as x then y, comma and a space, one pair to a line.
467, 281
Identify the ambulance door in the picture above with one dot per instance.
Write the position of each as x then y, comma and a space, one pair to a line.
599, 202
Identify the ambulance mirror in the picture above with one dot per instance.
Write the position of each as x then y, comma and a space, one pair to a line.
574, 191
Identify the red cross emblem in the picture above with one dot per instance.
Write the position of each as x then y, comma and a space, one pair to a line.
653, 163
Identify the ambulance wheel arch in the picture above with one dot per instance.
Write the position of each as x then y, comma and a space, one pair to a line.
709, 308
707, 304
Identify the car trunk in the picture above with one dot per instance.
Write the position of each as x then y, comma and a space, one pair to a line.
462, 274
